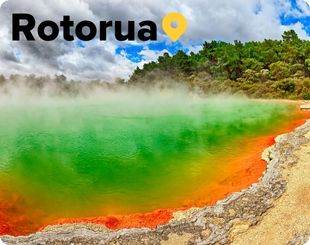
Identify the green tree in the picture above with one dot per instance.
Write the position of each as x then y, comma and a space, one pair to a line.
279, 70
307, 64
251, 63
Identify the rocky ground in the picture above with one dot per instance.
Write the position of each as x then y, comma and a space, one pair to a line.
242, 218
288, 222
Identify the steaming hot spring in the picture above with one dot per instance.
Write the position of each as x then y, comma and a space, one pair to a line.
128, 159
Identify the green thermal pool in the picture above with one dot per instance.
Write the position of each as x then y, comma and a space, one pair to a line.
121, 154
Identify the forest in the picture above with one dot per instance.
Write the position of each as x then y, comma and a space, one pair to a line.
267, 69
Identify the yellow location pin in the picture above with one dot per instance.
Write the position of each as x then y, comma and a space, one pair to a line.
174, 32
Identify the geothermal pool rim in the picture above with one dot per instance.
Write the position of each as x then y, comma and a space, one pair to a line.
209, 225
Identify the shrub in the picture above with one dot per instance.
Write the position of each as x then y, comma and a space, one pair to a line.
252, 64
307, 62
296, 68
263, 75
306, 96
279, 70
287, 86
250, 75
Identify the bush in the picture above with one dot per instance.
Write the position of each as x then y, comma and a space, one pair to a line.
263, 75
249, 75
306, 96
296, 68
252, 64
307, 62
279, 70
287, 86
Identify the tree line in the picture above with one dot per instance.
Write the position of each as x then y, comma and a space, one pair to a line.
266, 69
52, 85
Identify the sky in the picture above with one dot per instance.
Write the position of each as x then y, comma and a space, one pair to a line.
222, 20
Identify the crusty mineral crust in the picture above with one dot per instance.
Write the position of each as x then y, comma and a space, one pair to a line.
217, 224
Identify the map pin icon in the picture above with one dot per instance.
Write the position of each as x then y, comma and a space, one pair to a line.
174, 32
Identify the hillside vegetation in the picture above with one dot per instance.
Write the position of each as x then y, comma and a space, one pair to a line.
267, 69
